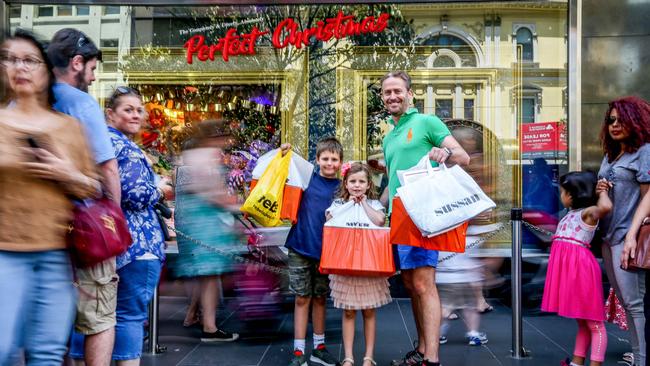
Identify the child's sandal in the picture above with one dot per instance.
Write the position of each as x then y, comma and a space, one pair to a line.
370, 360
348, 360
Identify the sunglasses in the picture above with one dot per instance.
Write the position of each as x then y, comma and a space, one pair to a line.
610, 120
121, 90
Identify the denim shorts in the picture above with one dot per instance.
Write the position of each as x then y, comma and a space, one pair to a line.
138, 280
411, 257
304, 277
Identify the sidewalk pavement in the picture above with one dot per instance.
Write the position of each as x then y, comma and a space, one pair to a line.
549, 338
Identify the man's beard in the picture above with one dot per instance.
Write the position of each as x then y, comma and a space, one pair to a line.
81, 82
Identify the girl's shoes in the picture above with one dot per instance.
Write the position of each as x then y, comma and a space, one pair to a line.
372, 362
347, 360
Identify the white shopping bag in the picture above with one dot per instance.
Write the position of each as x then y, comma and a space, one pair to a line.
417, 171
443, 199
300, 171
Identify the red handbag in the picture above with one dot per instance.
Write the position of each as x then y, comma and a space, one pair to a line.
403, 231
98, 231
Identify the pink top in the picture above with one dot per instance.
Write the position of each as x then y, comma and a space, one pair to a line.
574, 230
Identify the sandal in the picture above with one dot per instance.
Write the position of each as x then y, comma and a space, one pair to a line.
370, 360
348, 360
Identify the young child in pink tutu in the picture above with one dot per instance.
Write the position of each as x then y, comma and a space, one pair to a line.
352, 293
574, 287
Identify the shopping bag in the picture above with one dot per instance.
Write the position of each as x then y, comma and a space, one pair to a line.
353, 245
443, 199
300, 171
264, 203
403, 231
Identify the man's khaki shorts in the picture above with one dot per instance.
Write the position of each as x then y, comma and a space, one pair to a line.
97, 287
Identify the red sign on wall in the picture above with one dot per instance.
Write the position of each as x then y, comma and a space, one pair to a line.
544, 139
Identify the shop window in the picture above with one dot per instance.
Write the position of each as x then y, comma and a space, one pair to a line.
45, 11
109, 43
64, 10
111, 10
528, 110
468, 106
444, 108
524, 38
14, 11
83, 10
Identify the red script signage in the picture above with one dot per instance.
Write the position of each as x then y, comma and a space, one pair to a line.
286, 33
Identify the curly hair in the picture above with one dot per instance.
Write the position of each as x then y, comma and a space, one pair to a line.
357, 167
634, 116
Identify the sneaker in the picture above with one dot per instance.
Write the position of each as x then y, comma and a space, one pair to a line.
627, 360
410, 359
429, 363
443, 339
476, 339
321, 356
565, 362
299, 359
219, 336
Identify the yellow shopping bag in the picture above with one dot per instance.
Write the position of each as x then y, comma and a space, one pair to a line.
265, 200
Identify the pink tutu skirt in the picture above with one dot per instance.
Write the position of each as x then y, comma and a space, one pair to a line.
358, 293
574, 284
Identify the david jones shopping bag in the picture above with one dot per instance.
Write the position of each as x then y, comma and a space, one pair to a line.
353, 245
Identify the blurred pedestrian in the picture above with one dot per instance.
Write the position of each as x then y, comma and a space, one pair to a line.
625, 137
205, 222
574, 286
74, 57
45, 162
458, 279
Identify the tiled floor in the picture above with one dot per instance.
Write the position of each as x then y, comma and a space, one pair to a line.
549, 338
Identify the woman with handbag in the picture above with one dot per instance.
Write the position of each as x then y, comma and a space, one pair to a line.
45, 162
625, 136
139, 267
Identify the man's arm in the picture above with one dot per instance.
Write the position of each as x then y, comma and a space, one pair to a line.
449, 152
111, 180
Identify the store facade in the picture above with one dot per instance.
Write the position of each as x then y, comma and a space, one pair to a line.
495, 72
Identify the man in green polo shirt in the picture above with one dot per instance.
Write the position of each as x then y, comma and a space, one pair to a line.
414, 136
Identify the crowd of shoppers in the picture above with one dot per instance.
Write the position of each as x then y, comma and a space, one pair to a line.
58, 147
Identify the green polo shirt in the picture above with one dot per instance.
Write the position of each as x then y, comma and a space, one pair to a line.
413, 136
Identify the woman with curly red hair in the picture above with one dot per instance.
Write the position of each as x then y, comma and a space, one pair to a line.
625, 137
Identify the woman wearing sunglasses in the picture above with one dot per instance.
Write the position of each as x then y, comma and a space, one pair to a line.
45, 162
625, 137
139, 267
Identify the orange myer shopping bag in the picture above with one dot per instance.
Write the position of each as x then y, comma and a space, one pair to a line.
353, 245
300, 171
264, 203
403, 231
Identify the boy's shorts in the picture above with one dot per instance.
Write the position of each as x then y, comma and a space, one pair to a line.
97, 297
304, 277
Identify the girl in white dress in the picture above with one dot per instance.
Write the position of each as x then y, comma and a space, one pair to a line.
352, 293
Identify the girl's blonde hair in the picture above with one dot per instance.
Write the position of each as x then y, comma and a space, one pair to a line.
357, 167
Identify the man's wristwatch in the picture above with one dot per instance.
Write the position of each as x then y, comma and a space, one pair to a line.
448, 151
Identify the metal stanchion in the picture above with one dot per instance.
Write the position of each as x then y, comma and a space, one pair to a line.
154, 347
518, 350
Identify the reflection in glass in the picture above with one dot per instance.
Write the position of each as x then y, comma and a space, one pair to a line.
444, 108
525, 40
